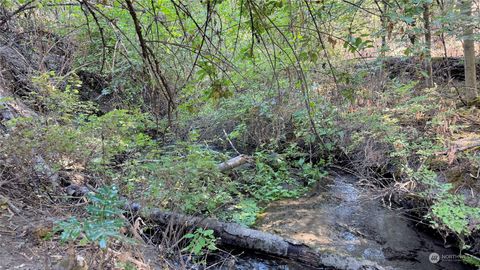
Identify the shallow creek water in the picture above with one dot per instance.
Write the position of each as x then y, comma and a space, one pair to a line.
341, 217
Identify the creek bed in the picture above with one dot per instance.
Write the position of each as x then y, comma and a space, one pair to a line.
340, 217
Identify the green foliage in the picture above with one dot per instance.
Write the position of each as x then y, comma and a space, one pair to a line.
61, 104
470, 259
270, 181
71, 229
277, 178
246, 212
246, 68
448, 211
182, 177
117, 132
452, 211
200, 242
103, 222
326, 128
91, 142
126, 266
354, 44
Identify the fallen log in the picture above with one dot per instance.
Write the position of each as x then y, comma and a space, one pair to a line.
235, 235
443, 68
234, 163
459, 146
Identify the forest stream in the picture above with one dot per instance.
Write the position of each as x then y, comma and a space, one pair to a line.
195, 135
342, 218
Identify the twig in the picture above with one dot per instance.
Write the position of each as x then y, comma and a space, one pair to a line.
7, 201
455, 148
468, 118
230, 142
20, 9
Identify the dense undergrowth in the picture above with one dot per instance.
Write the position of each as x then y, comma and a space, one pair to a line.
151, 122
402, 140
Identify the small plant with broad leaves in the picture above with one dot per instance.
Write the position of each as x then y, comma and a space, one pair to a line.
246, 212
102, 224
201, 242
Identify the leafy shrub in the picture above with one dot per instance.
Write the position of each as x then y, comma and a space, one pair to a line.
88, 143
276, 177
117, 132
200, 241
103, 222
56, 102
246, 212
183, 177
452, 211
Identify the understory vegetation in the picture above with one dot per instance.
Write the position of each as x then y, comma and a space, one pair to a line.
105, 103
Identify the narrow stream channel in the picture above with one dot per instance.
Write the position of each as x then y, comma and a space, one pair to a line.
342, 218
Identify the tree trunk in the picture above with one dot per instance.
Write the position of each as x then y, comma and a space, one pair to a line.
384, 21
151, 63
235, 235
469, 51
383, 49
234, 162
428, 45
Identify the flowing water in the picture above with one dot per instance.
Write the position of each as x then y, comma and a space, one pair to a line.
341, 217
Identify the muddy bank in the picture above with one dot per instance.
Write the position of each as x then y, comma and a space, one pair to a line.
341, 217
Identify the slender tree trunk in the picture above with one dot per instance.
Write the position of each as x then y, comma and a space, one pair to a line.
428, 45
152, 63
384, 22
441, 5
469, 51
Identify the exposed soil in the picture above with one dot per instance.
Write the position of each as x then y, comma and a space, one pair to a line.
24, 245
21, 244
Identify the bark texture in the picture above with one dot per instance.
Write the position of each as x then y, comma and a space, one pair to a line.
234, 162
428, 45
469, 51
235, 235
